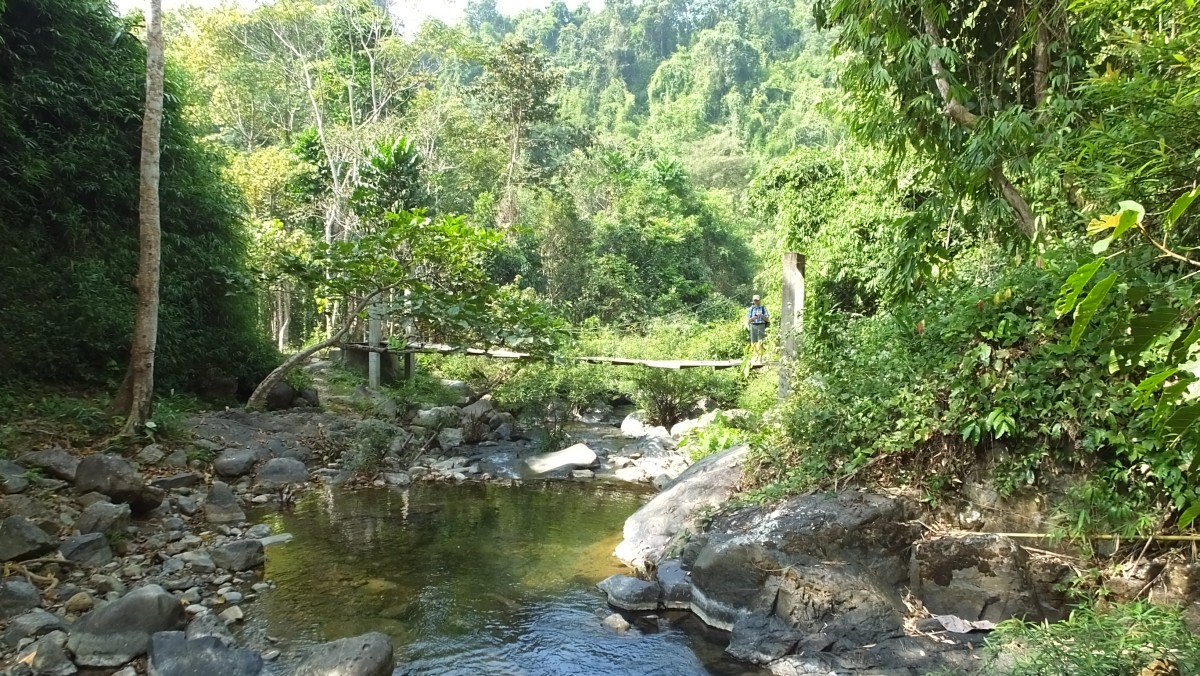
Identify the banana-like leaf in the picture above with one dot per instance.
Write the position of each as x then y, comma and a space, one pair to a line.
1070, 291
1087, 309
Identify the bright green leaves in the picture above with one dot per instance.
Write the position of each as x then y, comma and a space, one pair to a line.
1074, 286
1087, 309
1179, 208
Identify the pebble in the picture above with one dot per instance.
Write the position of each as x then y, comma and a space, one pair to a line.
261, 499
270, 655
195, 609
231, 614
232, 598
80, 603
261, 587
222, 579
616, 623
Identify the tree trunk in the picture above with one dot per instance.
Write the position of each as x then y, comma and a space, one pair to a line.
133, 399
955, 110
508, 203
1041, 62
285, 318
258, 400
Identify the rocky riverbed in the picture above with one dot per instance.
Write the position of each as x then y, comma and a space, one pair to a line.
148, 563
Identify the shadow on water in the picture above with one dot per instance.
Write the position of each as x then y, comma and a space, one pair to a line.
474, 579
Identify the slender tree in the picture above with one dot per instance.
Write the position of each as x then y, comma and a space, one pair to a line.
134, 397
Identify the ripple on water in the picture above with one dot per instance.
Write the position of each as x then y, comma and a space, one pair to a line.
473, 579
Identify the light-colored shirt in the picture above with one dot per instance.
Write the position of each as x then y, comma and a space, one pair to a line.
757, 314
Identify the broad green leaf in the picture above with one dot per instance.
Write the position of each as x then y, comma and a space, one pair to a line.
1180, 207
1087, 309
1102, 245
1189, 515
1074, 286
1129, 218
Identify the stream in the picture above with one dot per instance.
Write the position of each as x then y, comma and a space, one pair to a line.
473, 579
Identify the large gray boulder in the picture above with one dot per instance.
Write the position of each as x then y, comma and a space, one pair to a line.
118, 632
705, 484
118, 479
55, 462
569, 458
239, 555
279, 472
221, 505
21, 539
104, 517
236, 462
821, 565
976, 577
173, 653
366, 655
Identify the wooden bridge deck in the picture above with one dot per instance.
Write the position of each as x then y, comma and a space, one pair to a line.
673, 364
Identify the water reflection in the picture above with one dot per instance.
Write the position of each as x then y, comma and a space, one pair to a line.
473, 579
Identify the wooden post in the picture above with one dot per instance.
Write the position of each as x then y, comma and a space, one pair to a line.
791, 316
374, 329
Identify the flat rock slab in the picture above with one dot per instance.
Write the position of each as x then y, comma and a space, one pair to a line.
367, 655
630, 593
238, 556
90, 548
172, 653
572, 457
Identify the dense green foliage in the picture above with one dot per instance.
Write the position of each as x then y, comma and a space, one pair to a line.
70, 124
955, 339
1098, 641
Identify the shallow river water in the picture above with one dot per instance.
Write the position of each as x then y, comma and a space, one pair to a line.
473, 579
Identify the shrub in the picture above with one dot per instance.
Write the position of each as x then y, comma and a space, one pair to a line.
978, 370
716, 437
1098, 641
371, 443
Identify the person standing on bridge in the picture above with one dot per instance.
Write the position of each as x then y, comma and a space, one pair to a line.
757, 320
